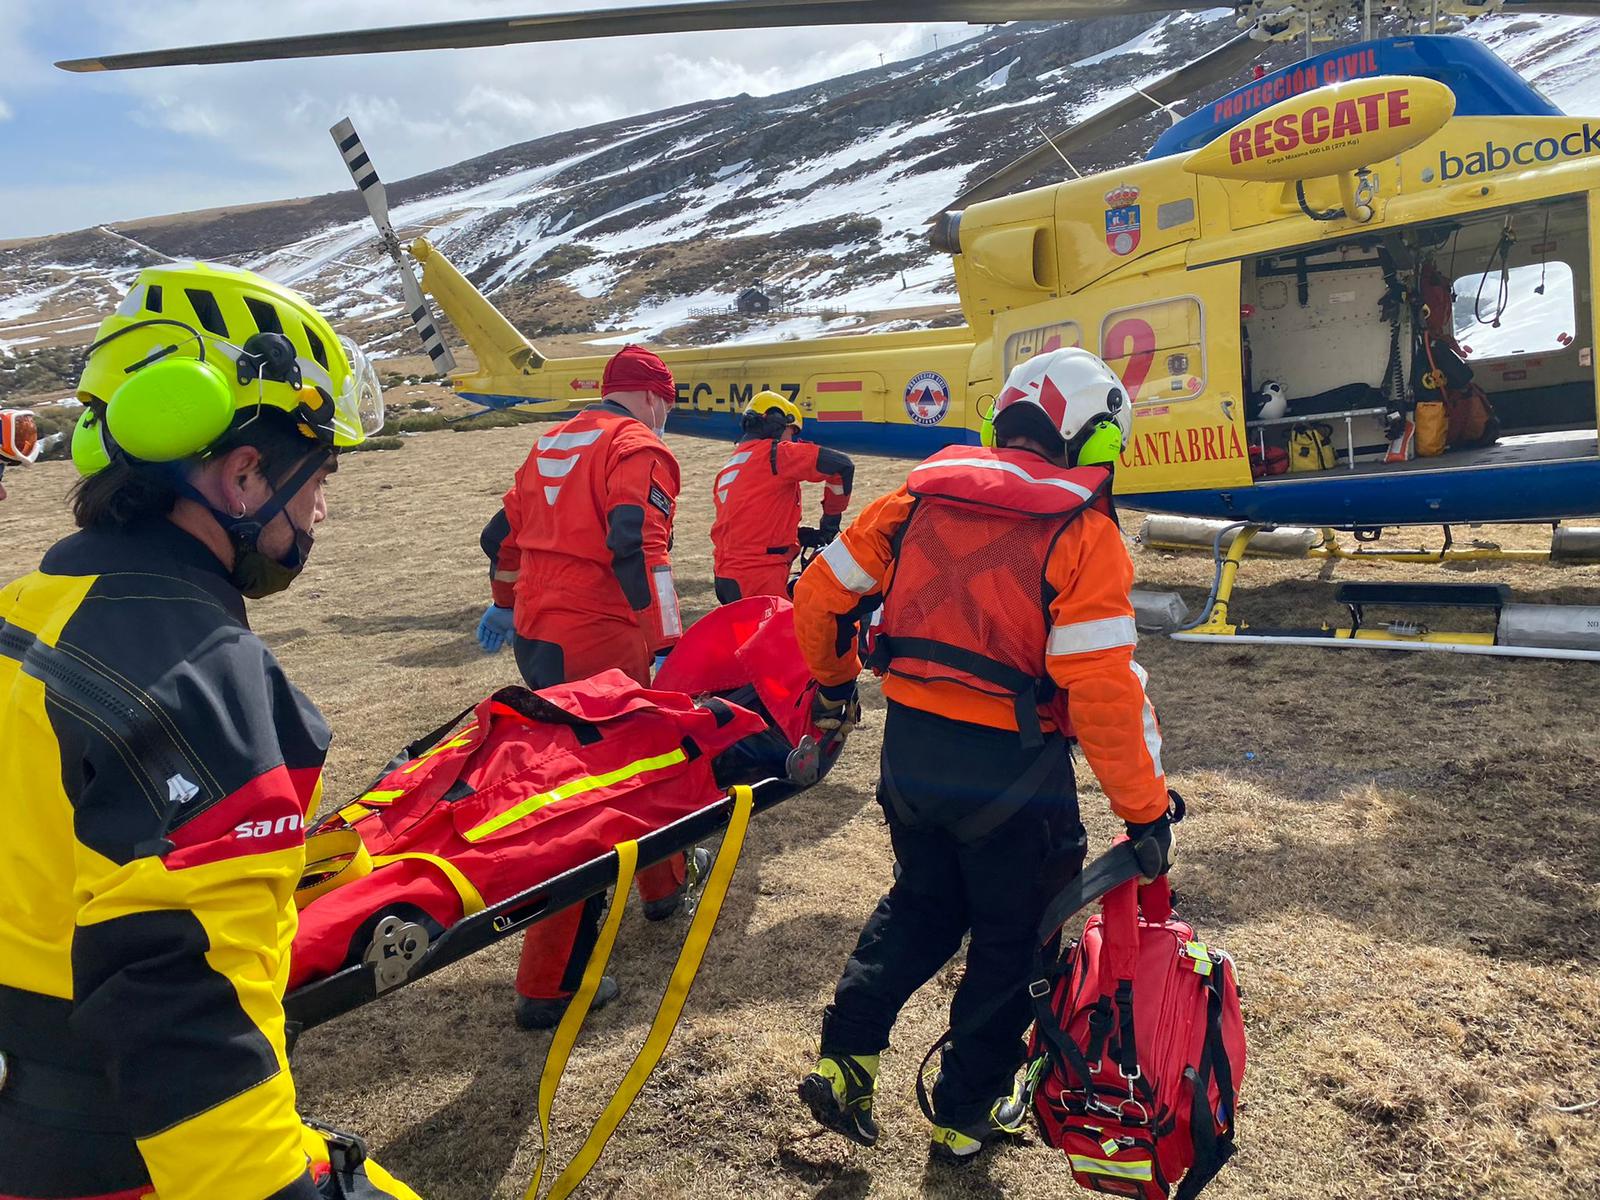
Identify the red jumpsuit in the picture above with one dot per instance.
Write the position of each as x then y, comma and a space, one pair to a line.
757, 499
580, 551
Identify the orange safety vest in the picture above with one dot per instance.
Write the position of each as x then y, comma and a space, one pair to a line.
968, 602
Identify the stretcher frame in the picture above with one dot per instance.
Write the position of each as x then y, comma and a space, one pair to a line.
349, 988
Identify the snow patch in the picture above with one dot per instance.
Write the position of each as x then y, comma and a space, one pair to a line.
995, 82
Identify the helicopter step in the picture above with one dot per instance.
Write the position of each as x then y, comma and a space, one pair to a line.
1520, 630
1356, 597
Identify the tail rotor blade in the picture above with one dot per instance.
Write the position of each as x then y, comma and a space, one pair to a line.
427, 329
376, 197
365, 175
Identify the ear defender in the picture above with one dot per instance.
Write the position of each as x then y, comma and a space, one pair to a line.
1102, 447
168, 410
89, 452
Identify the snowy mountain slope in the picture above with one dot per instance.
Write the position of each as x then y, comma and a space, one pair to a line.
822, 192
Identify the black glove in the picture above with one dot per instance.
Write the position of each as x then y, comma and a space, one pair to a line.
836, 708
827, 529
809, 538
1160, 846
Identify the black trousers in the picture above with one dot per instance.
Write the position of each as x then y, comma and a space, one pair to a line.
996, 888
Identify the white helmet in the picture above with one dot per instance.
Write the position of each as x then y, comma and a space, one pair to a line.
1080, 397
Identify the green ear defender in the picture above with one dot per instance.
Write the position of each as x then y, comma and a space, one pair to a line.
986, 421
170, 409
1103, 446
89, 445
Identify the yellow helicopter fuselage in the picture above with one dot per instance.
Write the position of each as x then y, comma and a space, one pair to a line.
1283, 234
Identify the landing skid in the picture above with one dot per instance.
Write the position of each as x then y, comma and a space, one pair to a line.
1512, 622
1367, 548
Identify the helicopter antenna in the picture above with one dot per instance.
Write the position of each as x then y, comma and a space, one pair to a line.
1057, 149
1171, 110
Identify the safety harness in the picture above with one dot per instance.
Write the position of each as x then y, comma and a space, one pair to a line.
1026, 502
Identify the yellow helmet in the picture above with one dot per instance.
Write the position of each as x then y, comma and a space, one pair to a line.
194, 346
771, 404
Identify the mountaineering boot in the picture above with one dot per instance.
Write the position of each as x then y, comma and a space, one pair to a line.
547, 1014
963, 1143
696, 863
839, 1093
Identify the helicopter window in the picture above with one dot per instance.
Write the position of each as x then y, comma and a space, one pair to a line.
1158, 349
1020, 347
1523, 310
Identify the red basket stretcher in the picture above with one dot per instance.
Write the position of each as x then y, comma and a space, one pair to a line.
511, 811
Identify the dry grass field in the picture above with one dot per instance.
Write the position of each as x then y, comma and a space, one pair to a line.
1402, 850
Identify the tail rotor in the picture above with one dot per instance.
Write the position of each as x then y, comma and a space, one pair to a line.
376, 197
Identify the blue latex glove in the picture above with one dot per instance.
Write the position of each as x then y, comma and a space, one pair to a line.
495, 628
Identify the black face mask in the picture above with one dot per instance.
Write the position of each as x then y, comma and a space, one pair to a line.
256, 573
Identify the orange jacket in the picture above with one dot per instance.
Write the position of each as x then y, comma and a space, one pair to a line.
1087, 627
757, 498
587, 529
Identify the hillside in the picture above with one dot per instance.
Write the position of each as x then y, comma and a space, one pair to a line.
639, 226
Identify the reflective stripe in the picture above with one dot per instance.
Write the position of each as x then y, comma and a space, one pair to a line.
1152, 731
574, 787
556, 468
508, 576
1106, 1166
570, 441
727, 478
742, 457
464, 738
667, 598
995, 464
551, 491
722, 497
836, 488
1085, 637
848, 571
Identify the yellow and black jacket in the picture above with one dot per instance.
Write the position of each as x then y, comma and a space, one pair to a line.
156, 772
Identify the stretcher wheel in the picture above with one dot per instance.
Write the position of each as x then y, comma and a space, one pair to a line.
804, 764
396, 946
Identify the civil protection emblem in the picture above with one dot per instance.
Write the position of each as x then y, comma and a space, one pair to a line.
1122, 219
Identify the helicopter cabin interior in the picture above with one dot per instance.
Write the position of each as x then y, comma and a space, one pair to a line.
1498, 369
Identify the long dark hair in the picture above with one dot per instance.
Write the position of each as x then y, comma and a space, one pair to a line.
131, 491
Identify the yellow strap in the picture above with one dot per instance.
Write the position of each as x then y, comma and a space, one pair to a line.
574, 787
471, 899
677, 994
555, 1061
342, 856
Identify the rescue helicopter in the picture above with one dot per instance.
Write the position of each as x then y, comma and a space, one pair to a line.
1398, 235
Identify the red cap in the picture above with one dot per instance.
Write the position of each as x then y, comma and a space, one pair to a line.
634, 369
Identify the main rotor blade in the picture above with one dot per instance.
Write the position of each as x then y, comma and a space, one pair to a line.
621, 22
1557, 8
1181, 84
